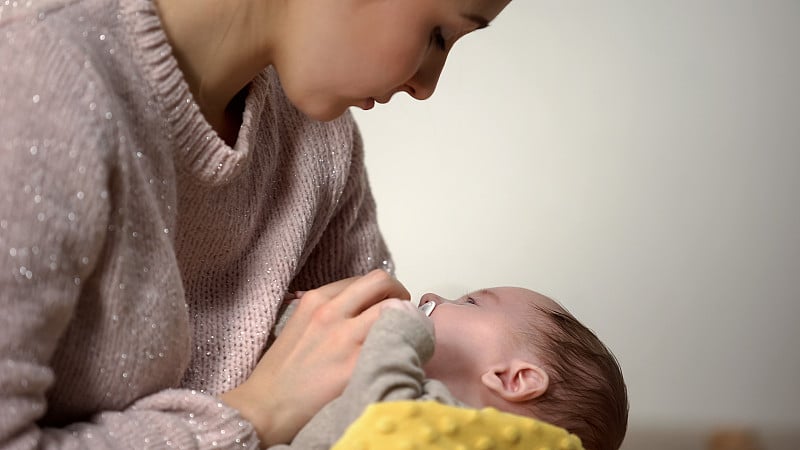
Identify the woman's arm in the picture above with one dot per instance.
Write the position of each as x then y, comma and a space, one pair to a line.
58, 155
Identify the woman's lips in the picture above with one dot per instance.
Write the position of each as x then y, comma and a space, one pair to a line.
368, 104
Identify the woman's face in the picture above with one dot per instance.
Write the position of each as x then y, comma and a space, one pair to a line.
342, 53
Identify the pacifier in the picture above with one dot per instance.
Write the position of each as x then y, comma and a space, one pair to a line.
427, 308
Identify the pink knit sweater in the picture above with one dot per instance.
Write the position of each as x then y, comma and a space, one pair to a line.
142, 261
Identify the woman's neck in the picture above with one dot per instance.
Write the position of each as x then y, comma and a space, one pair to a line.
220, 46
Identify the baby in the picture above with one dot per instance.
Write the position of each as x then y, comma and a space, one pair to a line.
507, 348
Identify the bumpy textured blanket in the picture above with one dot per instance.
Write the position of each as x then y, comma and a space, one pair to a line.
431, 425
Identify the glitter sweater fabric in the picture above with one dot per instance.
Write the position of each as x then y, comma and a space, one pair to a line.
143, 261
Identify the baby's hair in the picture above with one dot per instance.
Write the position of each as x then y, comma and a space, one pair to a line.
586, 394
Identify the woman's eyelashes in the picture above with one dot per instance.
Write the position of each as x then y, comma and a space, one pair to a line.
437, 38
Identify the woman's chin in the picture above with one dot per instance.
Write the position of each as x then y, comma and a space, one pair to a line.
320, 111
325, 115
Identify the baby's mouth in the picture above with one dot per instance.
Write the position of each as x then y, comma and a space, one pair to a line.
427, 308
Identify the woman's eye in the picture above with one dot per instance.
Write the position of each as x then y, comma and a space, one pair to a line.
438, 38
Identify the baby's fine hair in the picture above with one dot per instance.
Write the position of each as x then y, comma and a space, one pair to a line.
586, 394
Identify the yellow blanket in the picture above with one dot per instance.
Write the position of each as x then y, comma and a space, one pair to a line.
428, 425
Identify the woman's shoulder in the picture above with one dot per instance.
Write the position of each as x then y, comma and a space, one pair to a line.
70, 68
56, 47
29, 10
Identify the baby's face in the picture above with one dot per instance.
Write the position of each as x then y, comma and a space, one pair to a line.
475, 332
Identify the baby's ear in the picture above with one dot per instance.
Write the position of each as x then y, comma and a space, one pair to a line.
516, 381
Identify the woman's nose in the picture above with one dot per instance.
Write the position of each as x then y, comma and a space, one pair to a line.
422, 85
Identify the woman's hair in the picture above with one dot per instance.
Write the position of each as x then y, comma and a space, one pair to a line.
586, 394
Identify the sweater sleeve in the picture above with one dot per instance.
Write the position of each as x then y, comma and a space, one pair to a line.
352, 243
45, 229
389, 368
57, 148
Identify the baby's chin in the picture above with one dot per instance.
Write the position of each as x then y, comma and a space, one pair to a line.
438, 369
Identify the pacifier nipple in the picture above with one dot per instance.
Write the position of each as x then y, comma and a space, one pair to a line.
427, 308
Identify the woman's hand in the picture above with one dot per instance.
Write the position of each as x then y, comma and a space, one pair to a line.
309, 364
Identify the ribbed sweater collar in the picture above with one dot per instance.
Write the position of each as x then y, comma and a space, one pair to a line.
198, 149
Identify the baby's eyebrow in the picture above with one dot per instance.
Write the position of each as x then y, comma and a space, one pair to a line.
487, 293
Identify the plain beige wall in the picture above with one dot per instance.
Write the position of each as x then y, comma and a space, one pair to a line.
639, 162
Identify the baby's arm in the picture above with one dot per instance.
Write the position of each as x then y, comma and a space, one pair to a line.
389, 368
390, 363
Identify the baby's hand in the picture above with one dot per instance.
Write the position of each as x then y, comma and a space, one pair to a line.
409, 308
402, 305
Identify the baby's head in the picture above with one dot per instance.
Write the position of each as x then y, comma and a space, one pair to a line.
521, 352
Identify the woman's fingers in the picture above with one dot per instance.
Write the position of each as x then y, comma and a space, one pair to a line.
368, 290
362, 323
333, 289
341, 301
349, 297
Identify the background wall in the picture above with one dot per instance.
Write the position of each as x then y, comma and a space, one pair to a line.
639, 162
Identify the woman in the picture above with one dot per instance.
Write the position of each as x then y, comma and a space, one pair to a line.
163, 191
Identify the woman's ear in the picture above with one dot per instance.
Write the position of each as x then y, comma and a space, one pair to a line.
516, 381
